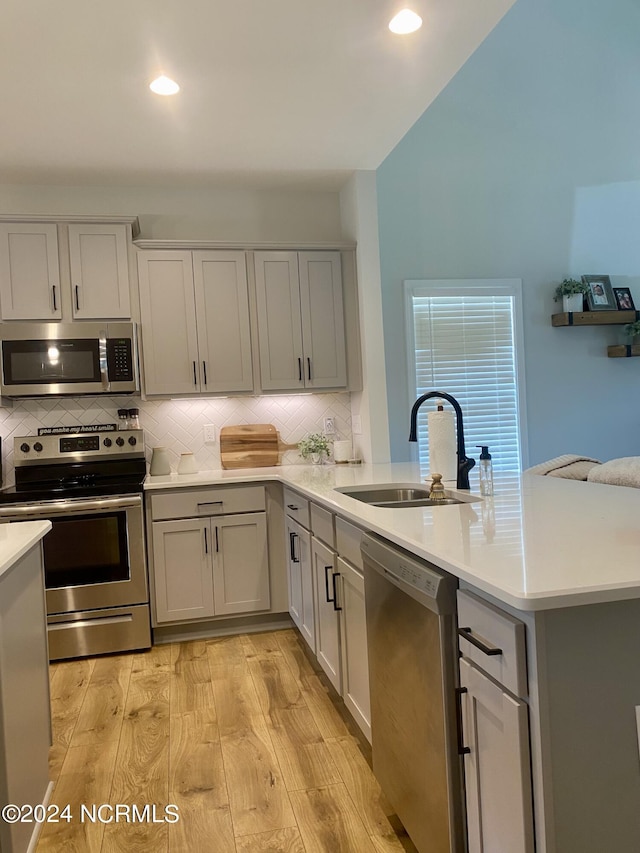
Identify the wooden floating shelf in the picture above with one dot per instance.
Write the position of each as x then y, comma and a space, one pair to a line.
594, 318
624, 351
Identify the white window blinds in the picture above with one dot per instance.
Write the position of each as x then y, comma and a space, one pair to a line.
464, 343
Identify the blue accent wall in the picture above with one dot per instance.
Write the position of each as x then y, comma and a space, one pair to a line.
527, 166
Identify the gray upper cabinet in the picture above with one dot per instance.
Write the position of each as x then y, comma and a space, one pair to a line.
300, 320
42, 279
29, 271
222, 318
99, 266
194, 311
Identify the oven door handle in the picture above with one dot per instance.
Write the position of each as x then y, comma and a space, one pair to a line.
48, 508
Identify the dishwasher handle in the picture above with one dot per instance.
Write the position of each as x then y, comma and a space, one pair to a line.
467, 634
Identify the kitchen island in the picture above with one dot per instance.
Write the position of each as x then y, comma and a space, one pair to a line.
562, 558
25, 715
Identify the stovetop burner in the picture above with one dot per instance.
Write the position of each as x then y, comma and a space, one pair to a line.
76, 466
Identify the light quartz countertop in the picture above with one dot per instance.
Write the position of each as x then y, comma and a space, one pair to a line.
538, 543
18, 538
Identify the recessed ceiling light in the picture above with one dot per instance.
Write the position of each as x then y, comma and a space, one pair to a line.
405, 22
164, 86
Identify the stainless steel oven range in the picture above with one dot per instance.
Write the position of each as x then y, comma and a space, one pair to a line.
90, 486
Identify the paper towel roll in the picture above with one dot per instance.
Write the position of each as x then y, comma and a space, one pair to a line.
442, 444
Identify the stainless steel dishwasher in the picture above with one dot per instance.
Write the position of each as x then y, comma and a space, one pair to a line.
411, 638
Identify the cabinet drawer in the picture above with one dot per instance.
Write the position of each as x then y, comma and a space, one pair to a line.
494, 629
322, 525
203, 502
348, 538
296, 507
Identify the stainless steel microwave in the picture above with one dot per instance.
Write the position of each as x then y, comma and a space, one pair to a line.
44, 359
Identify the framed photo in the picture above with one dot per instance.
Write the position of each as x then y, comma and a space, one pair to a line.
624, 300
599, 293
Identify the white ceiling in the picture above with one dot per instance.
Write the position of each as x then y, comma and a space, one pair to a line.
273, 91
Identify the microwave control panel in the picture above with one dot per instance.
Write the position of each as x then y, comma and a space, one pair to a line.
120, 359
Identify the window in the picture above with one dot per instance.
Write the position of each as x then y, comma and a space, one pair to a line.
465, 339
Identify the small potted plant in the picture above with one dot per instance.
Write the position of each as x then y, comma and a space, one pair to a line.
571, 291
632, 330
314, 447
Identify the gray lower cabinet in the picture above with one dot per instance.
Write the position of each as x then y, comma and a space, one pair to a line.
495, 728
213, 564
326, 598
300, 580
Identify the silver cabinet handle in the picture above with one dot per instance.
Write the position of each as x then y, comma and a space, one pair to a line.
309, 367
204, 371
53, 293
77, 289
299, 370
206, 543
195, 375
209, 503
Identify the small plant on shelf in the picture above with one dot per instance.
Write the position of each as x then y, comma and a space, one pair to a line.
632, 330
314, 447
569, 287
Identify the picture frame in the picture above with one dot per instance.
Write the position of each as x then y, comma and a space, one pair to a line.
624, 299
599, 293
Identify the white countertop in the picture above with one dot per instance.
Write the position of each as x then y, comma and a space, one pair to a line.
538, 543
18, 538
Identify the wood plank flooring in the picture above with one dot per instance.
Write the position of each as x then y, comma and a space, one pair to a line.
240, 733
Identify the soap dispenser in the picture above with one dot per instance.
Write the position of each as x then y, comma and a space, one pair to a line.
485, 471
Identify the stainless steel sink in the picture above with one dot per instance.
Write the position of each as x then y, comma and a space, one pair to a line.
399, 496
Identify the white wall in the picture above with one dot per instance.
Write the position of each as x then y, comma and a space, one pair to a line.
192, 213
360, 223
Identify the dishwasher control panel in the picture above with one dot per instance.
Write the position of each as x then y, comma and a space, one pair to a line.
419, 577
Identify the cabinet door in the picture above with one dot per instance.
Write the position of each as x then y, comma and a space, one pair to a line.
99, 265
240, 563
326, 612
294, 571
279, 324
29, 272
183, 569
224, 333
353, 643
497, 768
323, 335
168, 319
308, 613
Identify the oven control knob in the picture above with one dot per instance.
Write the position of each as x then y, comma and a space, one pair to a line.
37, 447
24, 447
119, 441
107, 442
133, 440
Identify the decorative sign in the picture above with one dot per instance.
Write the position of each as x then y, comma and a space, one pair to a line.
62, 430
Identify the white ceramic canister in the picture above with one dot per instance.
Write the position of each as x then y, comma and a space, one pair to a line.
160, 462
187, 464
342, 451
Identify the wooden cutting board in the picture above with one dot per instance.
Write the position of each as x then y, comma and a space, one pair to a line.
251, 446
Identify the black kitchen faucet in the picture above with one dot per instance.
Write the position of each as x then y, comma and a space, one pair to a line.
465, 464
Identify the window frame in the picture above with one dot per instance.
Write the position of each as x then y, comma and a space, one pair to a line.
470, 287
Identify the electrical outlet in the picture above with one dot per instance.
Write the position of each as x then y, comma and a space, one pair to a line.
209, 433
329, 426
356, 424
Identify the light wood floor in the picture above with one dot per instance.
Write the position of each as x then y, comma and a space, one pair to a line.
239, 732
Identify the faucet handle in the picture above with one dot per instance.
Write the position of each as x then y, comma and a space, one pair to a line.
437, 489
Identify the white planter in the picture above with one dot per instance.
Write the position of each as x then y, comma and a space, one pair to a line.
573, 302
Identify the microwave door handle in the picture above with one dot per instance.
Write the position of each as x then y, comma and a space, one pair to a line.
102, 355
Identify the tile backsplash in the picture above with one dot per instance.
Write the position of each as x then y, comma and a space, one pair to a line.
179, 424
